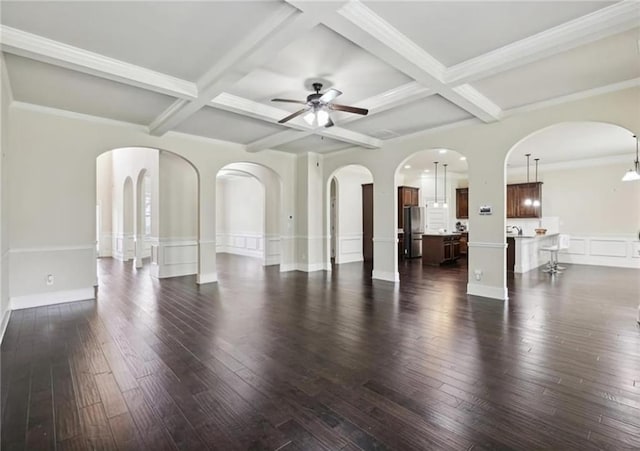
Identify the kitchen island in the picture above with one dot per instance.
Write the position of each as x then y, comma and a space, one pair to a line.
439, 248
527, 254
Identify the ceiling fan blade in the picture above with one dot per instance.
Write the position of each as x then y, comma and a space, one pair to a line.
329, 95
291, 116
329, 124
349, 109
303, 102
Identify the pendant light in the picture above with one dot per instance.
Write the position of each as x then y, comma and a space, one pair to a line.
528, 201
445, 205
435, 204
536, 202
632, 174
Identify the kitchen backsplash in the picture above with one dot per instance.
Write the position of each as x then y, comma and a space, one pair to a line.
528, 226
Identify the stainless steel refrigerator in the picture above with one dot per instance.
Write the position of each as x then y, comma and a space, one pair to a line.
412, 232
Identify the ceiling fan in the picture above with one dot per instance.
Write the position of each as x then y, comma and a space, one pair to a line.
318, 107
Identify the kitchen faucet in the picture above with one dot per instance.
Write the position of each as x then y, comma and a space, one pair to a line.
519, 229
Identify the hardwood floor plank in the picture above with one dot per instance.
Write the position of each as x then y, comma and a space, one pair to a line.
327, 361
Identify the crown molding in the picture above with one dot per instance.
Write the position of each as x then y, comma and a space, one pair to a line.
368, 21
45, 50
473, 96
6, 81
275, 32
74, 115
634, 82
362, 26
608, 21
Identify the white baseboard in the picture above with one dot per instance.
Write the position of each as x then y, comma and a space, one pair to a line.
389, 276
207, 278
487, 291
349, 258
51, 298
4, 324
304, 267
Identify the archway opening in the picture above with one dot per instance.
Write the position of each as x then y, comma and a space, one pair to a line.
432, 211
577, 192
350, 216
147, 210
248, 216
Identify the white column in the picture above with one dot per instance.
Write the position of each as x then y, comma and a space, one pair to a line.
385, 233
487, 273
207, 229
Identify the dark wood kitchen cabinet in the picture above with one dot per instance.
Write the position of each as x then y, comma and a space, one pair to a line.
516, 195
439, 249
462, 203
408, 196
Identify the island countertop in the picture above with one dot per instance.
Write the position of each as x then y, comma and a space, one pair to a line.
530, 237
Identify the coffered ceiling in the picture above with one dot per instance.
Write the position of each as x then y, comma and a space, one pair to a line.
211, 68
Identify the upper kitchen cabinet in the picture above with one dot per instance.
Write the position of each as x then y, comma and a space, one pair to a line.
517, 194
462, 203
408, 196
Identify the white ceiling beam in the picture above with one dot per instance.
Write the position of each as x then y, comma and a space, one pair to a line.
604, 22
48, 51
362, 26
263, 42
392, 98
235, 104
275, 140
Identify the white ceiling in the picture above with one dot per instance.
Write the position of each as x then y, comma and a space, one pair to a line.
414, 65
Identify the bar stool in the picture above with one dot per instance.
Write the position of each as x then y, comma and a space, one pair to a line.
563, 243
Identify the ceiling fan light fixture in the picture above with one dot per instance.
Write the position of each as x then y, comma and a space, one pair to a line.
322, 117
310, 117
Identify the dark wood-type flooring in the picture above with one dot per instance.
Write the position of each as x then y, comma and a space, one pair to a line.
297, 361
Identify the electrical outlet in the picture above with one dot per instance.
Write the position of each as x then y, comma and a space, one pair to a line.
478, 274
49, 279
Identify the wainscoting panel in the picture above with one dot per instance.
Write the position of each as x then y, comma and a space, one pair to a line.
618, 251
608, 248
247, 244
349, 248
172, 257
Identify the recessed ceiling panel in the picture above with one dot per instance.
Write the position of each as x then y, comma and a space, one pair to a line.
322, 55
314, 143
453, 32
218, 124
52, 86
413, 117
182, 39
598, 64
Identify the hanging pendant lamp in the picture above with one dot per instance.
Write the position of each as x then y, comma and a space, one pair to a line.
536, 202
435, 204
528, 201
445, 205
633, 174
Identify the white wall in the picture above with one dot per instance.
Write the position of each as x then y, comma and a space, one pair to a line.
104, 202
176, 253
52, 200
349, 212
5, 97
240, 216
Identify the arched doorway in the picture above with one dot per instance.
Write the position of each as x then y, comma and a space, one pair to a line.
249, 212
350, 215
432, 208
576, 191
148, 209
